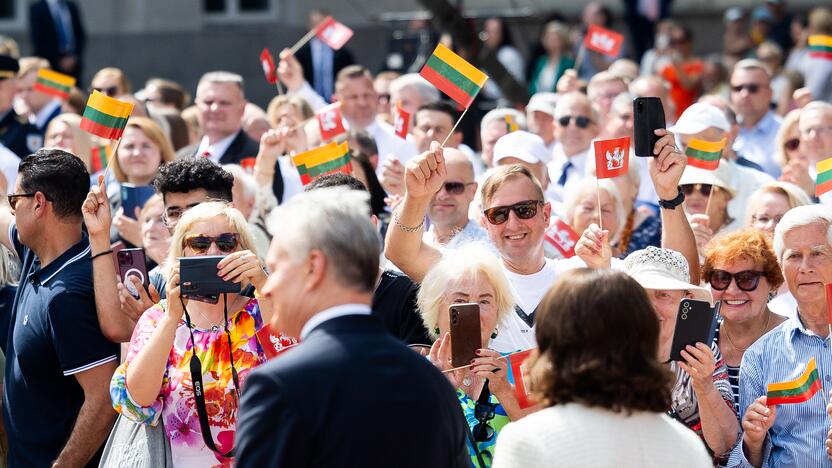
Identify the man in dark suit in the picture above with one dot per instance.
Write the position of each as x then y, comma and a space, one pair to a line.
320, 62
220, 99
58, 35
350, 394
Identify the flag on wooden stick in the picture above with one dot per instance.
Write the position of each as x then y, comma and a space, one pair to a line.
330, 122
798, 390
820, 46
269, 69
333, 33
612, 157
603, 40
327, 159
705, 154
823, 182
54, 83
105, 116
401, 121
453, 76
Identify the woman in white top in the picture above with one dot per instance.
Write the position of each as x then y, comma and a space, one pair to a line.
596, 372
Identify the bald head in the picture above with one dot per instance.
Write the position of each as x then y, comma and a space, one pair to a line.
457, 162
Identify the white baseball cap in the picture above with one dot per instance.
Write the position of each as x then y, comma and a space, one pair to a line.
721, 177
523, 145
699, 117
542, 102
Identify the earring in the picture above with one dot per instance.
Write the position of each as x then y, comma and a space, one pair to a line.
436, 331
771, 295
494, 334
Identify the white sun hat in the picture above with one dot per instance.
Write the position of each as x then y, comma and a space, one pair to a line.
656, 268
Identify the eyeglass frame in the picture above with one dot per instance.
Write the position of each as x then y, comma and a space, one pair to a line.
12, 198
510, 209
732, 277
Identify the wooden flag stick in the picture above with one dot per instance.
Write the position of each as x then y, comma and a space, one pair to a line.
279, 88
454, 127
598, 194
579, 58
708, 204
113, 149
308, 37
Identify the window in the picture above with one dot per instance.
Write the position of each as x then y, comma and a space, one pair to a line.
229, 9
12, 16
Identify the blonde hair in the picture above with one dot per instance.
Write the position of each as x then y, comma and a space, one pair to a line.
300, 104
468, 261
574, 196
789, 123
31, 64
795, 195
154, 133
501, 175
80, 138
121, 77
204, 212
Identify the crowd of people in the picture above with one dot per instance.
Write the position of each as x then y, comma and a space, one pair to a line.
336, 347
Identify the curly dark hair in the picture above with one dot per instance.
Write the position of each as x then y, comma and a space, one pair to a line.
60, 176
597, 338
188, 174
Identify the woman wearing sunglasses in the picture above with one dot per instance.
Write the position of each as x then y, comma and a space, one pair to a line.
157, 380
707, 194
743, 273
471, 274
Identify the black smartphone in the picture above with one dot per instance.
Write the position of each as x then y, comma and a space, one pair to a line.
466, 338
131, 262
648, 115
135, 196
695, 323
198, 277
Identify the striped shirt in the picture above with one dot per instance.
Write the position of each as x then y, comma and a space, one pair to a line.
799, 432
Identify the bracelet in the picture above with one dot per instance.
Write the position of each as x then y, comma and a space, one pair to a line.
101, 254
406, 228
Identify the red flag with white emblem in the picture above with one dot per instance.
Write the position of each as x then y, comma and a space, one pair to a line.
401, 121
562, 237
333, 33
612, 157
603, 40
267, 61
329, 121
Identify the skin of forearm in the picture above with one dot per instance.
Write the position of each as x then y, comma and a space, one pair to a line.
95, 420
677, 235
146, 371
719, 424
115, 325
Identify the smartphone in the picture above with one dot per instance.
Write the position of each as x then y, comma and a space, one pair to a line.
131, 262
198, 277
695, 323
466, 338
135, 196
648, 115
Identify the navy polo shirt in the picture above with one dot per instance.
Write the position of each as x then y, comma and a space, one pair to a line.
52, 334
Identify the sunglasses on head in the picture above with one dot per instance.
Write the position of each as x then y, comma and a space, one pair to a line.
752, 88
580, 121
455, 188
226, 242
792, 144
524, 210
704, 189
746, 280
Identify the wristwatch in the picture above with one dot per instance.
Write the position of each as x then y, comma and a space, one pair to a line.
672, 204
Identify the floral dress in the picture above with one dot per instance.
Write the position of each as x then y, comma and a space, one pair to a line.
486, 448
175, 403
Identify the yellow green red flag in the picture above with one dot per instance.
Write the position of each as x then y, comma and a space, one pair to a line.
705, 154
453, 75
327, 159
823, 183
105, 116
54, 83
511, 125
795, 391
820, 46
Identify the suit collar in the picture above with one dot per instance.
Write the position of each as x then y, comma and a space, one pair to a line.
332, 313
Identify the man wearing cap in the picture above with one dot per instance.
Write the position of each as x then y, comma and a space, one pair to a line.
540, 115
14, 129
526, 149
751, 97
576, 125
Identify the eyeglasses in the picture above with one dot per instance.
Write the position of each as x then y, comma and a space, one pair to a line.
15, 196
752, 88
456, 188
764, 220
171, 215
384, 97
200, 244
792, 144
484, 411
580, 121
524, 210
746, 280
111, 91
704, 189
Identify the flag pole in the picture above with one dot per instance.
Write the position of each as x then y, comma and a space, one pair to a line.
113, 148
308, 37
708, 204
454, 127
598, 194
579, 58
279, 88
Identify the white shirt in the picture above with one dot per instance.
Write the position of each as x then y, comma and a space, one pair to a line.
388, 144
42, 117
9, 162
472, 232
292, 184
757, 143
745, 181
332, 313
574, 175
217, 149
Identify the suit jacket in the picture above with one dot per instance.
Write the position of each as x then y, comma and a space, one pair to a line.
340, 58
242, 147
44, 33
350, 395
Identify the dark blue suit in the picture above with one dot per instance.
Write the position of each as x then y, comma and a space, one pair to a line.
350, 395
44, 34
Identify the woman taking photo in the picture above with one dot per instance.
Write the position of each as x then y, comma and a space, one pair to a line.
604, 391
155, 383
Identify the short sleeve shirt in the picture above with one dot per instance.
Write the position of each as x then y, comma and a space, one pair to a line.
52, 334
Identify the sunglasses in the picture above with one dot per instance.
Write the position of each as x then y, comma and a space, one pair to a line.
111, 91
704, 189
524, 210
226, 242
14, 197
484, 412
752, 88
580, 121
792, 144
456, 188
746, 280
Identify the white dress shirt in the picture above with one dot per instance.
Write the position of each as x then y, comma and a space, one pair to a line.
556, 193
42, 117
332, 313
217, 149
757, 143
388, 143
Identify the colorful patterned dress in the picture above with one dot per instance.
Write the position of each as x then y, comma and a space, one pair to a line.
175, 403
486, 448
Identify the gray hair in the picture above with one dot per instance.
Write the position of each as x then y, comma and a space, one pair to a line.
243, 177
500, 114
798, 217
222, 77
576, 97
426, 91
336, 222
574, 195
753, 64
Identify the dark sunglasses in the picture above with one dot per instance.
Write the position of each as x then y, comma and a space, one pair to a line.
200, 244
524, 210
752, 88
746, 280
112, 91
456, 188
580, 121
484, 412
16, 196
704, 189
792, 144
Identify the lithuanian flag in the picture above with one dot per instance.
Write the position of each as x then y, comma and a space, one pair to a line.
54, 83
99, 155
820, 46
798, 390
823, 183
105, 117
705, 154
453, 75
511, 125
327, 159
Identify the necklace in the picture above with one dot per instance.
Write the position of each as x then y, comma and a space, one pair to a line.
214, 327
742, 350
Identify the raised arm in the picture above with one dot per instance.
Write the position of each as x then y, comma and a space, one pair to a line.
290, 72
424, 176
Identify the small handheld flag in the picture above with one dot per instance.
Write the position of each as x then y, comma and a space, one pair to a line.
603, 40
612, 157
269, 69
798, 390
705, 154
327, 159
105, 116
823, 183
511, 125
453, 76
54, 83
561, 237
519, 376
329, 121
333, 33
273, 345
99, 156
820, 46
401, 121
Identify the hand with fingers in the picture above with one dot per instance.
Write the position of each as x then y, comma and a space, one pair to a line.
700, 365
796, 171
490, 365
242, 266
757, 421
134, 306
175, 309
440, 356
129, 228
594, 247
702, 232
97, 213
667, 165
290, 71
392, 176
425, 174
